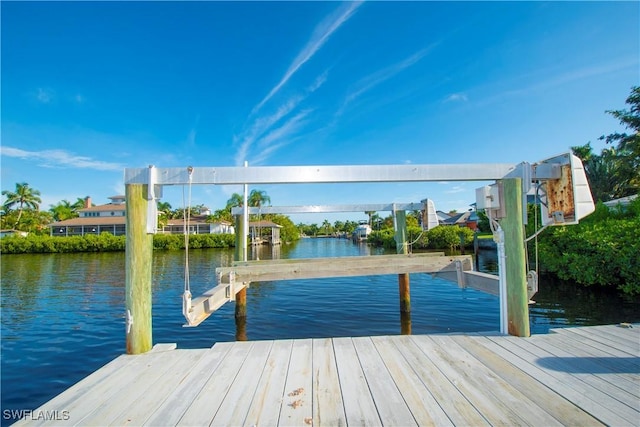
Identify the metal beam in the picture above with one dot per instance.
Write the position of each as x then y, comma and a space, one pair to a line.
380, 207
320, 174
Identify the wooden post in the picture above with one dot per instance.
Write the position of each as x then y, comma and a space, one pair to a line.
516, 272
241, 297
401, 248
139, 251
239, 230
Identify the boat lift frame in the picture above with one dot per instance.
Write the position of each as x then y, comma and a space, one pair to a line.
144, 189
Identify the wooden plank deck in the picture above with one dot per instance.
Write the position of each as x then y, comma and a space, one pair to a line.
575, 376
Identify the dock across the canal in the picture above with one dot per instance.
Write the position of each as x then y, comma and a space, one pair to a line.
574, 376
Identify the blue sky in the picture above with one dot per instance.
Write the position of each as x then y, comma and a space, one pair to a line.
90, 88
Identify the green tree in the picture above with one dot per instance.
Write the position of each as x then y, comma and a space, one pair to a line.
627, 145
289, 232
602, 172
236, 200
370, 214
24, 197
79, 204
63, 210
326, 227
258, 198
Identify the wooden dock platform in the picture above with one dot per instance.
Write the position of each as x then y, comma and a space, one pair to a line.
574, 376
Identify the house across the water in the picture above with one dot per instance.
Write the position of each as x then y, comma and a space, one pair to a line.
110, 218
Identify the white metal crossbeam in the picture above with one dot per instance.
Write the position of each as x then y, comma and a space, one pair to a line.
318, 174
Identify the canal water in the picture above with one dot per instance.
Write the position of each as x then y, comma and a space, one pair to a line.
63, 314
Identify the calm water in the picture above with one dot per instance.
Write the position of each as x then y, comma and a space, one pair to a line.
63, 314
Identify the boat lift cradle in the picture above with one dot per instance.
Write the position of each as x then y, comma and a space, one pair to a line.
231, 280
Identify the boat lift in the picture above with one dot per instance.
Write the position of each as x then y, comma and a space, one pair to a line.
559, 182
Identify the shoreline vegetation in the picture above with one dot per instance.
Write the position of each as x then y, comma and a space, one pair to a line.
601, 251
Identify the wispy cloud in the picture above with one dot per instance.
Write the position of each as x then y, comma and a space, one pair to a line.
290, 126
262, 128
60, 159
190, 141
372, 80
562, 78
44, 96
455, 189
319, 37
456, 97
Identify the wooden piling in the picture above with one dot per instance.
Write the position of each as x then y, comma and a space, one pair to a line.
239, 230
516, 273
138, 265
404, 288
241, 297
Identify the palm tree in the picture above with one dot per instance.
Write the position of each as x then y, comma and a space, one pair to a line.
80, 204
370, 215
326, 226
235, 201
63, 210
25, 197
257, 198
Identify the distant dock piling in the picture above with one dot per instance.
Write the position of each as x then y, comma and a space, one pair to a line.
404, 285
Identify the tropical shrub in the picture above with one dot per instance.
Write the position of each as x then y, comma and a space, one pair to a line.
107, 242
602, 250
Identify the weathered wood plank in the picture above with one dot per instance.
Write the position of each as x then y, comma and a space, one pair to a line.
478, 392
389, 402
581, 394
102, 394
423, 406
565, 377
324, 260
584, 369
328, 409
171, 410
629, 332
78, 391
496, 388
145, 397
576, 335
621, 372
298, 269
235, 405
602, 335
452, 401
157, 393
359, 406
554, 404
106, 413
205, 406
264, 409
297, 407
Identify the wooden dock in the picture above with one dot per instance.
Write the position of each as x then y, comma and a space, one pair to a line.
575, 376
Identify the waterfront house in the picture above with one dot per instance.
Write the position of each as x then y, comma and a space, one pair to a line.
264, 232
5, 233
197, 225
467, 219
110, 218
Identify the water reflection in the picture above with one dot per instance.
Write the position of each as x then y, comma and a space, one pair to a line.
63, 314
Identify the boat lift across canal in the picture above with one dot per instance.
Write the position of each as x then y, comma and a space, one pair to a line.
560, 184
